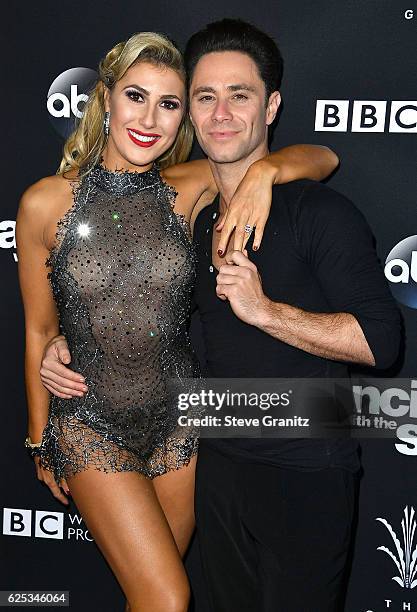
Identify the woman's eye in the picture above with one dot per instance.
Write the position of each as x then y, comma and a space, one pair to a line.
170, 104
134, 95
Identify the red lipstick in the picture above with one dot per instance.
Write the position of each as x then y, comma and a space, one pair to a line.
143, 139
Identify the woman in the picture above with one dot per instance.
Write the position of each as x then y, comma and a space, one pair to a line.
114, 232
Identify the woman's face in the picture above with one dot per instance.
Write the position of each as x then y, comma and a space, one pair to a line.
146, 107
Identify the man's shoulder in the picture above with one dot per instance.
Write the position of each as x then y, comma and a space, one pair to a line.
306, 197
303, 189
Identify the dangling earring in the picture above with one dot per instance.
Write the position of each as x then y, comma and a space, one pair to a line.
106, 123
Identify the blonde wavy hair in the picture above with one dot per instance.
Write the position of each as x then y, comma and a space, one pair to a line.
85, 145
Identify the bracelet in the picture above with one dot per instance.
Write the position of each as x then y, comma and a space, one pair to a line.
32, 448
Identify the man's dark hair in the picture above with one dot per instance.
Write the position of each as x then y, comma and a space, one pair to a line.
237, 35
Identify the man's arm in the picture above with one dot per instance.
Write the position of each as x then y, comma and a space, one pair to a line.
336, 336
333, 236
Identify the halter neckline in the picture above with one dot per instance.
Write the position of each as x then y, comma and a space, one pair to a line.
123, 182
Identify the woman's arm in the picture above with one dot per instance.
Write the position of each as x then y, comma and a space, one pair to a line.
251, 203
252, 199
41, 319
299, 161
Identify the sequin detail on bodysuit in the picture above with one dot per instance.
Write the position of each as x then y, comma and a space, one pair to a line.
122, 274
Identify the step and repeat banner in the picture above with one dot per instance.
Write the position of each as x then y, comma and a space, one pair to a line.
349, 83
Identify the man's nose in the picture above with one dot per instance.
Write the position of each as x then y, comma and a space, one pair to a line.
148, 119
221, 111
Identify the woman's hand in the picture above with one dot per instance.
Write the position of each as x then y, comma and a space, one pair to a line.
47, 477
250, 205
252, 199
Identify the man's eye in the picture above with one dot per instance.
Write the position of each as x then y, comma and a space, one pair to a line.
170, 104
134, 95
205, 99
240, 97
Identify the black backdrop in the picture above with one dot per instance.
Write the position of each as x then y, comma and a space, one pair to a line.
342, 52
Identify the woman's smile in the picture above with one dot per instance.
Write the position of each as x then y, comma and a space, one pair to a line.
142, 139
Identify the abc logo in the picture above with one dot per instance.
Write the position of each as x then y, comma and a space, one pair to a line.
67, 96
401, 271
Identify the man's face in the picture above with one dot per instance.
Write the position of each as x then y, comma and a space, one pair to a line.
228, 107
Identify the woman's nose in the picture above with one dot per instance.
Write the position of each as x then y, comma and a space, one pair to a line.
148, 119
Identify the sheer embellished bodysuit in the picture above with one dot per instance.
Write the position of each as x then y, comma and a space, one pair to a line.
122, 274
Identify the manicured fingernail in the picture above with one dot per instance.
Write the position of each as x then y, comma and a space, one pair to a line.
220, 252
255, 248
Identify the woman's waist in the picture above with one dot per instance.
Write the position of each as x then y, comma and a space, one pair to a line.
129, 366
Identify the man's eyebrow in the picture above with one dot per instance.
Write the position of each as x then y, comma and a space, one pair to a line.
204, 88
240, 86
146, 93
237, 87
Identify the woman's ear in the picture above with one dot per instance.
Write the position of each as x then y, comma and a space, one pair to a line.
272, 106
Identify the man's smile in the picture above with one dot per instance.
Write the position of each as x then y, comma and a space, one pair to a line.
223, 135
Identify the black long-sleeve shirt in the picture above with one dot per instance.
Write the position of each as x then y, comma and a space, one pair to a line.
317, 254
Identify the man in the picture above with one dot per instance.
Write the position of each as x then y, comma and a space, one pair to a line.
274, 516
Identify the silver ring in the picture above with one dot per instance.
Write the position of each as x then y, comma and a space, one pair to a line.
248, 228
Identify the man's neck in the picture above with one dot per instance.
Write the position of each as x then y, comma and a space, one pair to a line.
228, 175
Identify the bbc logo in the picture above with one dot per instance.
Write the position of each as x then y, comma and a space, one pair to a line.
366, 116
47, 524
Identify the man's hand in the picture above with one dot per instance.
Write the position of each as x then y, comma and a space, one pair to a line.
55, 376
239, 282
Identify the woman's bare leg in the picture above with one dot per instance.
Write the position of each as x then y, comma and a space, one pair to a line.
175, 491
125, 518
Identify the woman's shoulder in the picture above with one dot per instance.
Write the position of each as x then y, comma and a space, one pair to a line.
194, 175
194, 184
48, 193
186, 169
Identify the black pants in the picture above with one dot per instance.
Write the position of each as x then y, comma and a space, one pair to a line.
272, 539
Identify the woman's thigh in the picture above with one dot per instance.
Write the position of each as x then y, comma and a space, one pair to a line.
175, 492
126, 520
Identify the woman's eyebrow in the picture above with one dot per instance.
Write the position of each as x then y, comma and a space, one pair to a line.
170, 96
147, 93
139, 88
